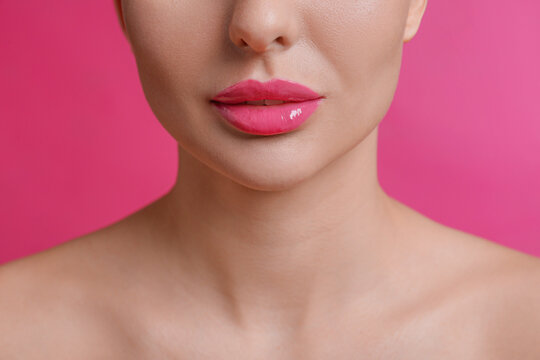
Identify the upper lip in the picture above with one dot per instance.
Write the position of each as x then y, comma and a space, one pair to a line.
275, 89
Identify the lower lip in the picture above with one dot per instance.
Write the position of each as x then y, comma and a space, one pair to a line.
267, 120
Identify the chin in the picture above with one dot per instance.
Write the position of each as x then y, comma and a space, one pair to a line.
268, 173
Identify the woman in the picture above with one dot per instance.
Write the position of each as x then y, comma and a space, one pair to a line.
276, 241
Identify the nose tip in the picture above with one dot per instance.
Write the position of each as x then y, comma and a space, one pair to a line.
262, 25
259, 45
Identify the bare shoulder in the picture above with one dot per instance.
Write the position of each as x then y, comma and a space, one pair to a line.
500, 296
487, 295
51, 303
512, 305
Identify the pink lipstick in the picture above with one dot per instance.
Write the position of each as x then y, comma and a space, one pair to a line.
274, 107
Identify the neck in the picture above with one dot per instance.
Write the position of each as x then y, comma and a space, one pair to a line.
270, 255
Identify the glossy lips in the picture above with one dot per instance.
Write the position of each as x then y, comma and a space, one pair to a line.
299, 103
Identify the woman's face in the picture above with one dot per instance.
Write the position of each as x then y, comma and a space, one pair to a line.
348, 51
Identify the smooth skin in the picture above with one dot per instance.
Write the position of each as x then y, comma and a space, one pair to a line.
272, 247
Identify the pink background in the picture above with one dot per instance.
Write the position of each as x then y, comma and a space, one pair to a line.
80, 148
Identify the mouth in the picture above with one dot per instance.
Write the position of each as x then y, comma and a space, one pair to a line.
270, 108
265, 102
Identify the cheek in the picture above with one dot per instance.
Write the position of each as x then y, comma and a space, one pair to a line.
362, 44
174, 43
358, 37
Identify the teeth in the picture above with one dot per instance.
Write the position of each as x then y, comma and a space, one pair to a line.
259, 102
273, 102
264, 102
